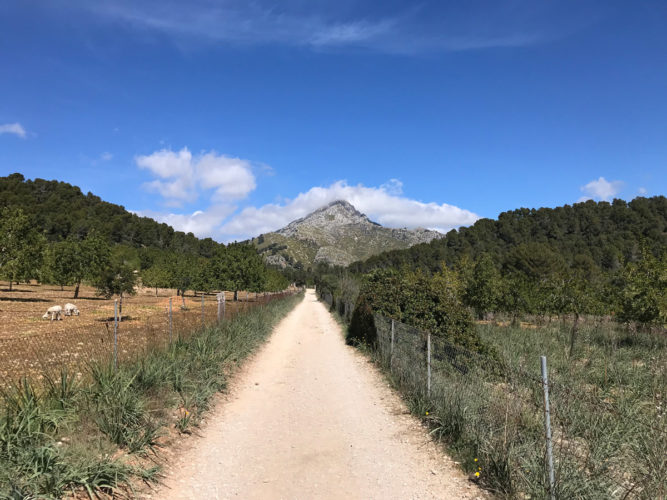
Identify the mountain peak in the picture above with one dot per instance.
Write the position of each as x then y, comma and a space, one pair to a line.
335, 214
340, 207
336, 233
339, 203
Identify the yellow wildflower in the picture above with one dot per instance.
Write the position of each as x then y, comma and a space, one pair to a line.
476, 474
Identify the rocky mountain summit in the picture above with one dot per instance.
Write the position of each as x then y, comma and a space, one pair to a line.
338, 234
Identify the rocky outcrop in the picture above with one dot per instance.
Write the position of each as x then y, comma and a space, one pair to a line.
338, 234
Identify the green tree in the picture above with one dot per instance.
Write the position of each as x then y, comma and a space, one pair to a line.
203, 277
239, 267
430, 303
61, 260
119, 278
183, 271
72, 261
156, 276
515, 296
434, 304
275, 281
643, 296
575, 293
483, 290
21, 246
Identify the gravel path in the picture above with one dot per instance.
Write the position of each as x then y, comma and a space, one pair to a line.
310, 417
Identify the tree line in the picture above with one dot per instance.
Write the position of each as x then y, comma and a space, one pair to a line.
605, 234
590, 259
114, 269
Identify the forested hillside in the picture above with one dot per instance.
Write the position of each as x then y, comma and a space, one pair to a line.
604, 234
600, 259
61, 210
51, 232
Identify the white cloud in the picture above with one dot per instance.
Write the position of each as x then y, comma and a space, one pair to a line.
232, 178
182, 176
203, 224
601, 189
401, 29
642, 191
13, 128
106, 156
382, 204
356, 32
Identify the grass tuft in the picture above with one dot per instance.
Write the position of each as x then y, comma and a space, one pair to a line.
67, 435
607, 408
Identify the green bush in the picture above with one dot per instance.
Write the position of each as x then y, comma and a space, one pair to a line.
362, 324
430, 303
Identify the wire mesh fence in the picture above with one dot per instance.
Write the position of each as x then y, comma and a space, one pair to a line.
34, 347
482, 403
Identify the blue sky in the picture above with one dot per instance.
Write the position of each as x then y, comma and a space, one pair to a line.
231, 118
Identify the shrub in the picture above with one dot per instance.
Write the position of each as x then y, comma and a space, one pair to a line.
362, 325
430, 303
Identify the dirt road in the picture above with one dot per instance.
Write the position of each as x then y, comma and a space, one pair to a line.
309, 417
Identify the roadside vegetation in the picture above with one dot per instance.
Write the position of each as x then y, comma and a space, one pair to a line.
486, 405
103, 433
607, 406
585, 286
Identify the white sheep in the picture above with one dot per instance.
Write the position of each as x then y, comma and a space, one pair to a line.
71, 310
54, 312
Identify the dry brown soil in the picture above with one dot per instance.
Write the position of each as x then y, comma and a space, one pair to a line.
309, 417
30, 345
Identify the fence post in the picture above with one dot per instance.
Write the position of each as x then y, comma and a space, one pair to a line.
391, 350
115, 334
547, 429
219, 306
224, 305
202, 309
428, 364
171, 322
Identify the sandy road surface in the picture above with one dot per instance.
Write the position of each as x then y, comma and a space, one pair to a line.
309, 417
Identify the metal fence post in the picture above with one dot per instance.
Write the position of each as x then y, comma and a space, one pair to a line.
219, 307
547, 429
391, 350
428, 364
171, 322
115, 334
